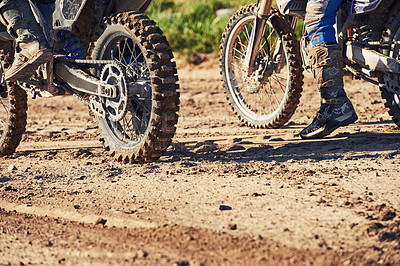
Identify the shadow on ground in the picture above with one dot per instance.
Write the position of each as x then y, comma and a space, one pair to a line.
342, 146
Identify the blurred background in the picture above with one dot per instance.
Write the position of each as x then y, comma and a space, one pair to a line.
194, 27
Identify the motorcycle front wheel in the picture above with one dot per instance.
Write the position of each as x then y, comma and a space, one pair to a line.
139, 125
269, 96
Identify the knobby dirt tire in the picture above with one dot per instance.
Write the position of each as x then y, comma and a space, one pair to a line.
292, 94
14, 120
164, 94
392, 95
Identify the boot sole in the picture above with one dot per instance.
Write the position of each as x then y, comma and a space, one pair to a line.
30, 66
329, 128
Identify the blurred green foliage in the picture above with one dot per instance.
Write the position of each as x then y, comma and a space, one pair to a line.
193, 26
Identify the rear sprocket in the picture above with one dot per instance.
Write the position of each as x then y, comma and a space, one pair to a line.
115, 107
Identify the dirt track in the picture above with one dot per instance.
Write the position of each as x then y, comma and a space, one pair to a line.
223, 194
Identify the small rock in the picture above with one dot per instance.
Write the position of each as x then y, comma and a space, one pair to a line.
259, 237
182, 263
82, 153
189, 238
77, 207
225, 208
389, 215
4, 179
101, 221
347, 262
232, 226
81, 177
388, 236
12, 167
381, 207
140, 254
10, 188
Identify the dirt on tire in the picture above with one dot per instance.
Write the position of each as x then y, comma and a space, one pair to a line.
224, 193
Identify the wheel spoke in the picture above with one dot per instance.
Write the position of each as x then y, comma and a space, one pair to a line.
246, 33
240, 52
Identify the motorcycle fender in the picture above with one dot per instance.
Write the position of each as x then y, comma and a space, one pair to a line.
139, 5
371, 59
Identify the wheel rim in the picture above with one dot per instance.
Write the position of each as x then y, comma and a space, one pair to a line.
260, 97
134, 126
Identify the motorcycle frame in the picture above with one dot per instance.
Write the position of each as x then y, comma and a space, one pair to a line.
59, 76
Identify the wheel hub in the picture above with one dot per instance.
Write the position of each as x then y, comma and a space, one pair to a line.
250, 80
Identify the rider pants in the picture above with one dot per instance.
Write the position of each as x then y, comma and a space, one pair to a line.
320, 20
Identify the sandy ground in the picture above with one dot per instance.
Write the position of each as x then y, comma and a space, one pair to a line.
223, 193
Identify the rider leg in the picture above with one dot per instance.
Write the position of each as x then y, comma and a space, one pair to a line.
326, 58
30, 48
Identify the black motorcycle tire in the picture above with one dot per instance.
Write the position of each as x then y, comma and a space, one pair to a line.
13, 118
162, 119
390, 84
244, 100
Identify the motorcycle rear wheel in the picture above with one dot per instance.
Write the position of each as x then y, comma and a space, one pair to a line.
390, 83
142, 53
13, 109
268, 97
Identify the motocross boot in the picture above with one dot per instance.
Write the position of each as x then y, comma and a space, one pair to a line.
30, 42
336, 109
